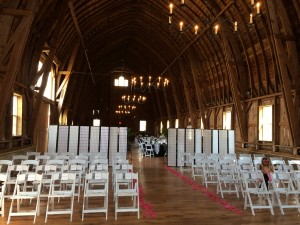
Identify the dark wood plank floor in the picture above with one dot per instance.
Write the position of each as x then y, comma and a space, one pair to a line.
173, 200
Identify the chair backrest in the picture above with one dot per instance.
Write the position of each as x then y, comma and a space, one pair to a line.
17, 159
98, 167
4, 165
99, 161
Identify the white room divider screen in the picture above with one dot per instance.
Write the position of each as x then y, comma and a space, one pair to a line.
80, 139
62, 140
52, 138
84, 138
73, 139
113, 143
94, 139
172, 150
198, 141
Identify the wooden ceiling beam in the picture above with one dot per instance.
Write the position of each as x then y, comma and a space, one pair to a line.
16, 12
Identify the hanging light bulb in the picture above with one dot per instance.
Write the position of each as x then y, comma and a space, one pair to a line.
196, 29
181, 25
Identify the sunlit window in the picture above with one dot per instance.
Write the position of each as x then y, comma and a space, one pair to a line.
143, 125
227, 120
176, 123
49, 90
265, 123
17, 115
168, 124
96, 122
121, 82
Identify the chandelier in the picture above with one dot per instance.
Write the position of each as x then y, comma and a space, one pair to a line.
134, 99
143, 84
211, 21
125, 109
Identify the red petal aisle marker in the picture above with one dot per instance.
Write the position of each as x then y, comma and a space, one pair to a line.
148, 208
205, 191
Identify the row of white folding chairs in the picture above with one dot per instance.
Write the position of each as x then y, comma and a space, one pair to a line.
62, 186
282, 191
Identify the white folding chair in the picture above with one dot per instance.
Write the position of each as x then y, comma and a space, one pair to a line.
4, 164
197, 168
210, 171
131, 193
95, 189
17, 159
228, 179
3, 178
255, 189
42, 158
149, 151
62, 187
32, 164
32, 155
185, 160
21, 193
282, 185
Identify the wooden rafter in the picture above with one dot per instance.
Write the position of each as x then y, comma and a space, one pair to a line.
286, 66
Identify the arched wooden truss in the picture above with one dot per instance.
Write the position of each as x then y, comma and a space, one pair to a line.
86, 41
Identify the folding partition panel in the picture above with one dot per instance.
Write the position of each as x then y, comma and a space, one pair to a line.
62, 140
180, 144
190, 141
73, 139
215, 141
84, 139
94, 139
104, 139
52, 138
171, 147
123, 139
223, 144
231, 141
198, 141
207, 136
113, 143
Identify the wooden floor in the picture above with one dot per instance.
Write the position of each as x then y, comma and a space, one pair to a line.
174, 202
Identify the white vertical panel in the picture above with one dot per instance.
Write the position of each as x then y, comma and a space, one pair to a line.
180, 144
223, 142
207, 141
198, 141
62, 141
84, 139
215, 141
52, 138
94, 139
171, 147
123, 140
104, 139
231, 141
113, 143
190, 141
73, 139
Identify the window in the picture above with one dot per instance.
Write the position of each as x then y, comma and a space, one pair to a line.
176, 123
168, 124
121, 82
265, 123
142, 125
161, 127
227, 120
17, 115
49, 90
96, 122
